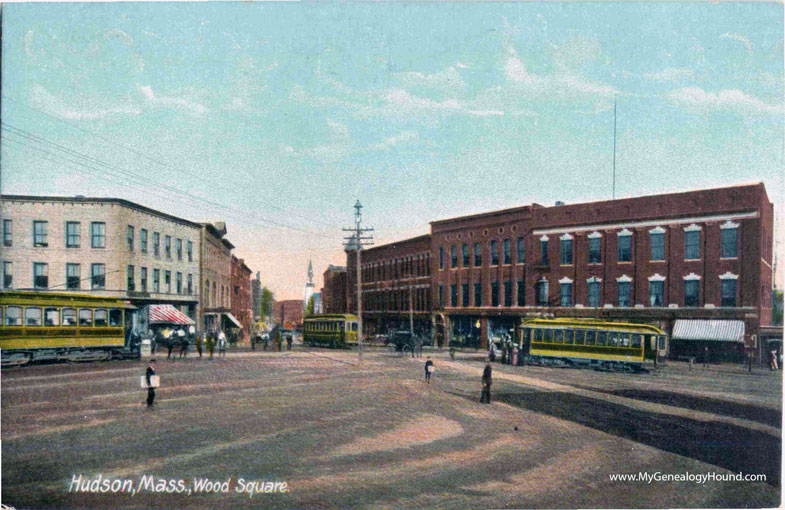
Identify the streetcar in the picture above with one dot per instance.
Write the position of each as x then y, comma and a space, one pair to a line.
609, 345
331, 330
52, 326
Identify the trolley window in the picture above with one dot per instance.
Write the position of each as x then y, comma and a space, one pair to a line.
568, 334
32, 316
613, 340
579, 336
13, 316
547, 335
85, 317
354, 326
538, 335
100, 317
637, 341
69, 317
51, 317
662, 342
558, 336
590, 337
602, 338
526, 335
115, 317
1, 314
624, 339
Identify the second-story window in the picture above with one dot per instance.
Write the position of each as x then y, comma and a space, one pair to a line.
594, 293
40, 233
656, 293
494, 253
477, 254
521, 251
189, 284
691, 289
8, 232
157, 280
40, 275
130, 277
72, 234
98, 234
8, 275
178, 244
97, 276
692, 240
594, 250
657, 246
544, 252
566, 251
453, 256
143, 240
129, 238
73, 276
190, 249
623, 288
729, 242
156, 244
507, 251
465, 253
624, 251
168, 246
143, 279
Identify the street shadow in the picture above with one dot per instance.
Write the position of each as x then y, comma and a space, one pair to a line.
732, 447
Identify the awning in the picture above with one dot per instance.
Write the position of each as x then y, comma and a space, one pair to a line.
231, 318
711, 330
167, 314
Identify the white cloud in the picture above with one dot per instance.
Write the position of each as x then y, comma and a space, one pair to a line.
729, 99
171, 101
42, 99
486, 113
740, 38
449, 79
671, 74
581, 84
403, 99
402, 137
514, 67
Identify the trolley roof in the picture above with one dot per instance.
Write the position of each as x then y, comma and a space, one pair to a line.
38, 298
587, 323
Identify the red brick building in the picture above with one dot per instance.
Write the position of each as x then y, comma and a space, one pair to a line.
700, 256
289, 313
241, 297
334, 290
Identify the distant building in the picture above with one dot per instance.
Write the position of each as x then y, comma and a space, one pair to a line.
334, 290
241, 298
256, 298
288, 313
309, 286
317, 303
216, 264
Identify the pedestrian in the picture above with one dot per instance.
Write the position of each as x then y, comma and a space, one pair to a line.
289, 342
266, 341
211, 343
428, 370
492, 353
168, 341
278, 340
706, 356
487, 380
504, 353
183, 342
253, 341
773, 362
515, 355
222, 344
198, 342
150, 389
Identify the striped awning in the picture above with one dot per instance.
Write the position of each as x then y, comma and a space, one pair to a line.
235, 321
167, 314
713, 330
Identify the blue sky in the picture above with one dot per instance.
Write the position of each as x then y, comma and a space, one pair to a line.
276, 117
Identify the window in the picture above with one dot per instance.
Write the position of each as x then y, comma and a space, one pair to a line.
115, 317
85, 317
477, 254
465, 294
625, 248
691, 289
178, 282
51, 317
494, 253
168, 246
8, 232
579, 336
594, 293
40, 275
453, 295
129, 274
190, 249
40, 233
72, 234
508, 293
190, 284
656, 293
565, 293
143, 240
624, 289
657, 246
13, 316
465, 253
453, 257
594, 250
692, 244
441, 296
97, 276
521, 251
156, 244
441, 257
69, 317
143, 279
73, 276
168, 281
566, 251
477, 294
728, 292
100, 317
541, 292
544, 252
129, 238
494, 293
179, 248
521, 293
729, 242
8, 275
506, 251
98, 234
157, 281
32, 316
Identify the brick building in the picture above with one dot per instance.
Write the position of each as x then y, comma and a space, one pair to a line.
666, 259
289, 313
241, 305
216, 279
334, 290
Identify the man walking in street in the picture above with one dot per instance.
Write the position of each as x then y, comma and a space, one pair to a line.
222, 344
706, 357
150, 390
428, 370
487, 380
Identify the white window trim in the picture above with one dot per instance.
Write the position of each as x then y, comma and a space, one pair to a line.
729, 276
593, 279
729, 224
566, 237
543, 279
544, 238
656, 277
624, 279
594, 235
693, 228
657, 230
692, 276
565, 280
623, 233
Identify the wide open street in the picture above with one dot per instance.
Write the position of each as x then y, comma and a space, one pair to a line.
343, 434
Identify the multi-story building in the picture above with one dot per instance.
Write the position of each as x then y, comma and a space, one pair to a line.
288, 313
216, 278
334, 290
241, 297
256, 298
102, 246
697, 263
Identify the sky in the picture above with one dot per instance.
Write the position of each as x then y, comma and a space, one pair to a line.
278, 117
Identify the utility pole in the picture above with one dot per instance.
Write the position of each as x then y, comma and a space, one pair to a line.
411, 310
357, 240
614, 148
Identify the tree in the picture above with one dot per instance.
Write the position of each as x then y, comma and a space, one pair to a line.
309, 308
776, 308
267, 300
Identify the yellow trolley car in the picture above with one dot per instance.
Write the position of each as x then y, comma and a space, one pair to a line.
332, 330
592, 342
39, 326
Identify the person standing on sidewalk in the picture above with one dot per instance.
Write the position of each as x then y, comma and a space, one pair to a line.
487, 380
150, 390
222, 344
428, 370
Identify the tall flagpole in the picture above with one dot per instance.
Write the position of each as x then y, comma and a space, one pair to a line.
614, 148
